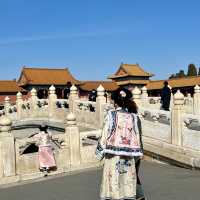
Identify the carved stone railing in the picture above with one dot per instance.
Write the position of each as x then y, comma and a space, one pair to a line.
85, 112
172, 135
42, 103
27, 161
156, 124
73, 150
189, 104
2, 112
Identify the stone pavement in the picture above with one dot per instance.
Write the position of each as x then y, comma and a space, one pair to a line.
161, 182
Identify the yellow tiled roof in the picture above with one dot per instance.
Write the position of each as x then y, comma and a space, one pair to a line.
10, 86
46, 76
136, 82
175, 82
130, 70
90, 85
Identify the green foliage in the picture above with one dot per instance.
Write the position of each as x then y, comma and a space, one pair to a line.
199, 71
172, 76
192, 70
181, 73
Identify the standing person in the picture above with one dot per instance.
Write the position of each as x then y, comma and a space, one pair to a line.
166, 96
46, 155
93, 95
119, 145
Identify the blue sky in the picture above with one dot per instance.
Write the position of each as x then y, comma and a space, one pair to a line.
92, 37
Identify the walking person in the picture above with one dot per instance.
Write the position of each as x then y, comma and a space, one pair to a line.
120, 147
166, 96
45, 154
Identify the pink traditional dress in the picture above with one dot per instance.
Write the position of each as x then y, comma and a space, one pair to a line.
119, 145
45, 154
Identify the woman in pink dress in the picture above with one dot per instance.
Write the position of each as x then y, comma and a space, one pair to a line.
45, 154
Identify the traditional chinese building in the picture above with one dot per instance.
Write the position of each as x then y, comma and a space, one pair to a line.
10, 88
131, 75
185, 85
87, 86
42, 78
127, 75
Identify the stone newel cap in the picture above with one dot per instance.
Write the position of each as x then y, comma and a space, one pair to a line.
5, 124
33, 91
178, 95
73, 88
144, 88
178, 98
71, 119
136, 91
5, 121
19, 94
100, 89
197, 88
52, 88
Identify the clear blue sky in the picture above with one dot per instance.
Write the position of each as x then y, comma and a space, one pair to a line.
92, 37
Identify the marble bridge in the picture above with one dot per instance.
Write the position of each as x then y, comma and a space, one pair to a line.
76, 125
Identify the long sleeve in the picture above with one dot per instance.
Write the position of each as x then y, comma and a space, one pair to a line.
102, 140
139, 125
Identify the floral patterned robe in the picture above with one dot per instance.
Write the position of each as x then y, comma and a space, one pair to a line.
119, 173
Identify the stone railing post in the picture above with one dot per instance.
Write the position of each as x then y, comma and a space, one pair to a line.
144, 97
7, 105
136, 92
52, 102
196, 103
19, 103
172, 98
72, 97
176, 119
33, 102
189, 103
100, 100
7, 149
72, 132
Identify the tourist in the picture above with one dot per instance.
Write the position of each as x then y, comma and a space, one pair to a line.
165, 96
46, 155
93, 95
120, 149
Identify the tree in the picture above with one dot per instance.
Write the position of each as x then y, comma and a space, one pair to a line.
172, 76
199, 71
181, 73
192, 70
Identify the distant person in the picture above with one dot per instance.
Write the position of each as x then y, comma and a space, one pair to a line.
121, 148
93, 95
45, 154
165, 96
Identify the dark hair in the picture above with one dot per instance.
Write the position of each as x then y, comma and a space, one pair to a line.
166, 83
123, 98
43, 127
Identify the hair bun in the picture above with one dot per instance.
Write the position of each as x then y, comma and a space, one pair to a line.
122, 93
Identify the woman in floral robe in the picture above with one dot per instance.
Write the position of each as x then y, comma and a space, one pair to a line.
120, 145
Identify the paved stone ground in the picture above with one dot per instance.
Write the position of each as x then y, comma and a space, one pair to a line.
161, 182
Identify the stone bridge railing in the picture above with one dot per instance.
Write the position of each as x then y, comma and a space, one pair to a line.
73, 150
172, 135
87, 113
51, 108
191, 104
